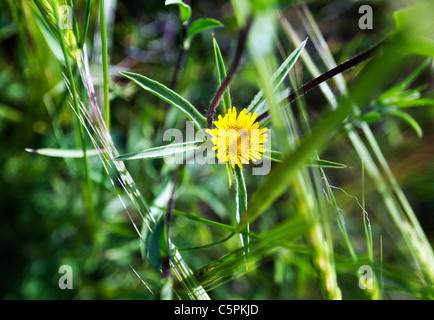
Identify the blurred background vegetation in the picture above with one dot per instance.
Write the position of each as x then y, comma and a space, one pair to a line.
45, 220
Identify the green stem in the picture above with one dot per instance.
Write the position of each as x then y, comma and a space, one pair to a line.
103, 31
86, 23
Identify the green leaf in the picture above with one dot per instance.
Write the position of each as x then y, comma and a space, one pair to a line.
161, 151
409, 119
282, 72
229, 174
184, 9
279, 75
156, 210
63, 153
169, 96
197, 27
241, 201
221, 73
158, 245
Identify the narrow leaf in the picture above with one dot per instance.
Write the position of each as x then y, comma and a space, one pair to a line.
221, 73
156, 210
409, 119
158, 244
63, 153
326, 164
161, 152
169, 96
229, 174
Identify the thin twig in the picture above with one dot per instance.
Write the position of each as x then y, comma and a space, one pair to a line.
329, 74
181, 55
242, 38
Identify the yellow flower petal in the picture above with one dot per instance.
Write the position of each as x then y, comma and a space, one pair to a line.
238, 139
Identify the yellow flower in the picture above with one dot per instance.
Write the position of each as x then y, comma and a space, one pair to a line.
238, 140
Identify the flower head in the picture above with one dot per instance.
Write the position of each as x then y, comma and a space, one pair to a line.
238, 140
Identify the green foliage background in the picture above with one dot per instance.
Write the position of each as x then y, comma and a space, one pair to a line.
45, 221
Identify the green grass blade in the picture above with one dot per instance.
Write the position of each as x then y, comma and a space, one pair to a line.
233, 264
326, 164
105, 63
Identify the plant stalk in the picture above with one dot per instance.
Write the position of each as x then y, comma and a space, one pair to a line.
104, 50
